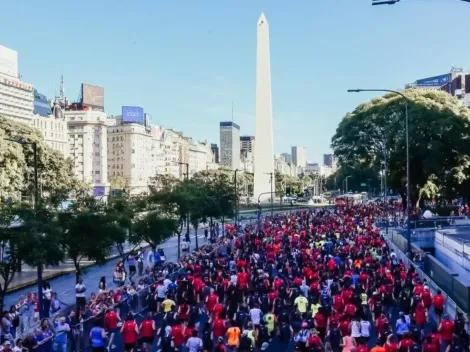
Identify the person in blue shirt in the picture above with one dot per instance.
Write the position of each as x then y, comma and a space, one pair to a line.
98, 337
61, 332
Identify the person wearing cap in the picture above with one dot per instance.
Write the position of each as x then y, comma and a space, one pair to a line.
265, 346
6, 346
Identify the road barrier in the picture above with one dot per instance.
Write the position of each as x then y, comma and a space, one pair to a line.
137, 303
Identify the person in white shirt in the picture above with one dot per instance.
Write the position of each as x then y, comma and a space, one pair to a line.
80, 289
255, 314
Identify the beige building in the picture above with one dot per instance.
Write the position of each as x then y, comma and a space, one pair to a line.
55, 133
132, 155
87, 136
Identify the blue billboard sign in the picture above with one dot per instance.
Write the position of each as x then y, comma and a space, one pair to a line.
436, 81
98, 191
41, 105
133, 114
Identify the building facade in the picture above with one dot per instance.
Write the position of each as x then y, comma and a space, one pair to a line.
54, 131
132, 155
229, 145
456, 83
328, 160
299, 156
215, 152
247, 144
287, 157
16, 97
88, 149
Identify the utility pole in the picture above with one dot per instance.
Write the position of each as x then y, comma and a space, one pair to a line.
272, 195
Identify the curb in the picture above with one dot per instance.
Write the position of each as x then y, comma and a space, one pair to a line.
60, 273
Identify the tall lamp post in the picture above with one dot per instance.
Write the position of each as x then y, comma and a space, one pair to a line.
407, 137
187, 215
237, 210
346, 180
36, 202
259, 206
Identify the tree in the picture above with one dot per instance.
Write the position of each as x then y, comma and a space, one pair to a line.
17, 163
88, 232
439, 131
154, 227
362, 179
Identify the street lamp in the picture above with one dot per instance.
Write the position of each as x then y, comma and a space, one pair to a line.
236, 200
36, 202
408, 181
187, 215
259, 205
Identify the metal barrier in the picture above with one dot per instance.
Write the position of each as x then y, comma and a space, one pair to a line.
451, 307
77, 339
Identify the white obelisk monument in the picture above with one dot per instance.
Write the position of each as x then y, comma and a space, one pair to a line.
264, 154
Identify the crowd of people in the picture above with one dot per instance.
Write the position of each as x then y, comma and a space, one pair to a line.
322, 280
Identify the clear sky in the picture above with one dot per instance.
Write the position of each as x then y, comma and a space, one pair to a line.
185, 61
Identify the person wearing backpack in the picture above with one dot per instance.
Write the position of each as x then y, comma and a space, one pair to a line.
334, 336
301, 337
285, 335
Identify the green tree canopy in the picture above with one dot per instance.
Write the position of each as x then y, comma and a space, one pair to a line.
17, 163
439, 130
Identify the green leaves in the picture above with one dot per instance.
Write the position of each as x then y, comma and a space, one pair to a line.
439, 130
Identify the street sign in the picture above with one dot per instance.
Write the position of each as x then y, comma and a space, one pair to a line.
363, 184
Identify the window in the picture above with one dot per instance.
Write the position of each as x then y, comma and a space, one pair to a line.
97, 172
97, 154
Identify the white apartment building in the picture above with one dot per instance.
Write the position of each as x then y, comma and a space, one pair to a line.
54, 131
230, 145
299, 156
312, 168
132, 155
16, 97
173, 145
87, 135
247, 161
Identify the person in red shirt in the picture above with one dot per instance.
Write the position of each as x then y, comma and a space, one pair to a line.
314, 341
338, 303
188, 331
178, 335
111, 320
183, 310
362, 348
129, 332
426, 296
438, 301
391, 345
219, 328
420, 314
147, 328
211, 301
380, 324
321, 322
350, 310
429, 345
446, 328
406, 341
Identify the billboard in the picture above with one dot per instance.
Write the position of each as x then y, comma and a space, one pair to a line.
98, 191
41, 105
436, 81
133, 114
93, 96
148, 122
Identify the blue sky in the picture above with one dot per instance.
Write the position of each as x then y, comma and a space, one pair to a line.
185, 61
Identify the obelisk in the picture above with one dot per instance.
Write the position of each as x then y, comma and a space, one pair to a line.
264, 155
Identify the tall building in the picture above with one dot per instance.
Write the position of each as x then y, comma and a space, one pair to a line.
287, 157
215, 152
328, 160
264, 161
229, 144
456, 83
132, 155
16, 97
299, 156
247, 144
88, 148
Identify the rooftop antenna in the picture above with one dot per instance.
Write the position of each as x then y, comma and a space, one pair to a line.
62, 88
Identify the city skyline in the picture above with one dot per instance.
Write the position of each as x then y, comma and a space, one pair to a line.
200, 77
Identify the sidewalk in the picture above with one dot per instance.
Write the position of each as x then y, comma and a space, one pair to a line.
28, 275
